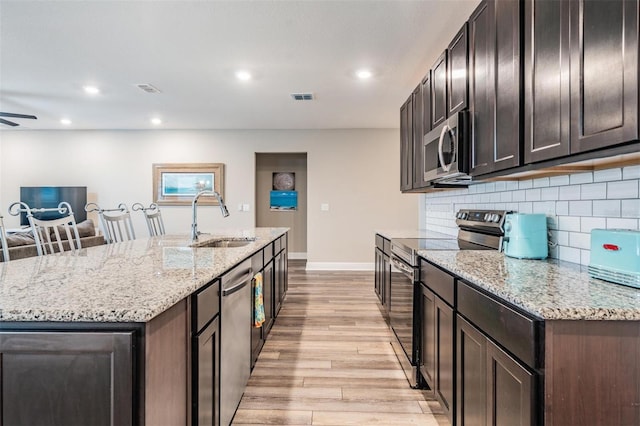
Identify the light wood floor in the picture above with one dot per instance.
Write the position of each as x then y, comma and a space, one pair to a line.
328, 361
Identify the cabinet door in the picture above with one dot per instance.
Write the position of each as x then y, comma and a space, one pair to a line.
546, 70
494, 67
471, 386
439, 91
386, 290
510, 390
428, 337
377, 282
280, 272
66, 378
604, 73
268, 294
206, 374
406, 146
457, 65
421, 98
445, 355
481, 52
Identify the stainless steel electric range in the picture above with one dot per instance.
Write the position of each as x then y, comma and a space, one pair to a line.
477, 230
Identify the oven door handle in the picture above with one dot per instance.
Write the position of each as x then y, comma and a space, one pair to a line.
403, 268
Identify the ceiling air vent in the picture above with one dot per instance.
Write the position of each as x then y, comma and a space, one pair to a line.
149, 88
302, 96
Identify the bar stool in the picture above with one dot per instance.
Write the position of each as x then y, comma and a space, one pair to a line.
3, 241
153, 217
44, 229
116, 223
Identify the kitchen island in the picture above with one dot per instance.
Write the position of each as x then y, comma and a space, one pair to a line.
533, 341
105, 335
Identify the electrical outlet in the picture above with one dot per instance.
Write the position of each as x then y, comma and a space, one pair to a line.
245, 207
239, 207
324, 207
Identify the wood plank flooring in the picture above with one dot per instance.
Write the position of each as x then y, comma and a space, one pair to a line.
328, 361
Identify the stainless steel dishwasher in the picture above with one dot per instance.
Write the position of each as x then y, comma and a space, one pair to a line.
235, 337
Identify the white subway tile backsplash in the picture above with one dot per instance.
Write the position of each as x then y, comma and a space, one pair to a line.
559, 180
519, 195
525, 184
546, 207
569, 254
532, 194
574, 205
606, 208
562, 208
589, 223
579, 178
579, 240
630, 208
525, 208
569, 193
593, 191
541, 182
549, 193
580, 208
631, 172
607, 175
569, 223
622, 189
622, 223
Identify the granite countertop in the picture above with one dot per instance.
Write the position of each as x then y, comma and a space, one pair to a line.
549, 289
132, 281
413, 233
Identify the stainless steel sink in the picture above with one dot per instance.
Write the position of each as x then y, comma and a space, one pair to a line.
227, 242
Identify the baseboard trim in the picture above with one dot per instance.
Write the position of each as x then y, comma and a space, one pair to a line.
340, 266
297, 255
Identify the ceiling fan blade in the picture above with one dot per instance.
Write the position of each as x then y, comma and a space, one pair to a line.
8, 123
13, 115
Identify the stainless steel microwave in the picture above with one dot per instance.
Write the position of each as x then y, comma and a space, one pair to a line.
446, 151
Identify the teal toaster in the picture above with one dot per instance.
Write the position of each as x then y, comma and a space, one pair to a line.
615, 256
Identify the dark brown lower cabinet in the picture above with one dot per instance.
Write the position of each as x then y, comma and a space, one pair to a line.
437, 362
492, 387
280, 276
55, 378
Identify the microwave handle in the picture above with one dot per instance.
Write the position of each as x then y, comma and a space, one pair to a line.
445, 129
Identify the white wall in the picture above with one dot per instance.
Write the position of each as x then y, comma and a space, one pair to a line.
355, 171
574, 205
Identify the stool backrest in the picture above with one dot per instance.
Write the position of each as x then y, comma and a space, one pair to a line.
3, 241
153, 217
116, 223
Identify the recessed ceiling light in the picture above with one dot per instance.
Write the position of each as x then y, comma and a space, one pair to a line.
156, 121
65, 121
364, 74
243, 75
91, 90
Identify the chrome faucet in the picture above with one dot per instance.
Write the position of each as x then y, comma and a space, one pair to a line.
194, 225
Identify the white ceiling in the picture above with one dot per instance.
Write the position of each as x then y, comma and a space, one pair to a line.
191, 50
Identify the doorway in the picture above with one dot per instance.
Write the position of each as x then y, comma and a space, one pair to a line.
294, 166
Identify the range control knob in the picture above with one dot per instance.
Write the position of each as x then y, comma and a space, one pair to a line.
487, 217
495, 218
462, 215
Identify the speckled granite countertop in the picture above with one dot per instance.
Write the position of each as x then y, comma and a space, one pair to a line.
412, 233
124, 282
546, 288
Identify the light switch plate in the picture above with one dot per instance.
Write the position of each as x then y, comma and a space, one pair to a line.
324, 207
245, 207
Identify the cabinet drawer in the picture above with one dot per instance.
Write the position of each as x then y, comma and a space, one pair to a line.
379, 242
207, 305
257, 263
516, 332
438, 281
277, 244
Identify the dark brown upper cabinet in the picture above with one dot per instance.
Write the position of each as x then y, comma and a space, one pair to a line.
439, 90
457, 69
604, 73
546, 70
494, 86
581, 68
421, 125
406, 145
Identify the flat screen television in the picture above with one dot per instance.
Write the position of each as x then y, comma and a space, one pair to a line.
50, 197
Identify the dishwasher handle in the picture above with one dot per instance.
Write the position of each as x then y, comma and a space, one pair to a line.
240, 284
